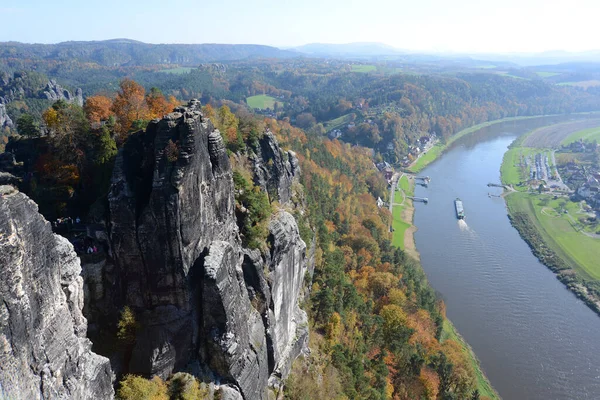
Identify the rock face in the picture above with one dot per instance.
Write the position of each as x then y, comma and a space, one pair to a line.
44, 353
204, 303
276, 171
5, 120
55, 92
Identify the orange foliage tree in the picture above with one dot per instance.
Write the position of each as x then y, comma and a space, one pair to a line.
98, 108
129, 105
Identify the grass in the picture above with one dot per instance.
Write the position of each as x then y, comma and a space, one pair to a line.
338, 122
483, 384
177, 71
560, 233
398, 224
545, 74
513, 76
406, 186
586, 134
262, 101
582, 84
363, 68
428, 158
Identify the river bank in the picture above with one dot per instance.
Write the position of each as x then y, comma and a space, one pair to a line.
547, 221
436, 151
403, 237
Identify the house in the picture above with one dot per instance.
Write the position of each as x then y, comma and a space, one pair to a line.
382, 166
380, 202
334, 134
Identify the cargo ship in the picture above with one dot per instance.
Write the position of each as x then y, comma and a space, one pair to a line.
460, 211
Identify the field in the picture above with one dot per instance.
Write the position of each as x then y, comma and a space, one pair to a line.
426, 159
338, 122
398, 223
586, 134
262, 102
544, 74
363, 68
177, 71
582, 84
551, 136
483, 385
398, 213
512, 76
560, 230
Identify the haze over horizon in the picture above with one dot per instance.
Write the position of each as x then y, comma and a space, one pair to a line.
464, 26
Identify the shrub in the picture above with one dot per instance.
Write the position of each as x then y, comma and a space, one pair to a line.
172, 151
137, 388
127, 326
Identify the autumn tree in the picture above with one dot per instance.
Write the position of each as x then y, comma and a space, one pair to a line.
306, 120
98, 108
158, 105
129, 106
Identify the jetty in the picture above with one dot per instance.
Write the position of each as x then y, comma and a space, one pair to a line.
421, 199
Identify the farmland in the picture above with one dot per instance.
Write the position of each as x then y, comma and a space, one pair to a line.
363, 68
590, 134
552, 136
338, 122
262, 102
545, 74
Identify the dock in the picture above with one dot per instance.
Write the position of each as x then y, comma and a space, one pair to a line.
425, 179
497, 185
421, 199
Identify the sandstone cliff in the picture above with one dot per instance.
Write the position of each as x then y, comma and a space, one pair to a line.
44, 353
204, 303
5, 120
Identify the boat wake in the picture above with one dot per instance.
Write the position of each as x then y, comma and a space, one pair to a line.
462, 224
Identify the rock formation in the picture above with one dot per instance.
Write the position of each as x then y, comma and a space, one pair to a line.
278, 178
203, 302
55, 92
44, 353
5, 120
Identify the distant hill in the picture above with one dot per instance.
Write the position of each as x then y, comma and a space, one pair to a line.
348, 49
545, 58
126, 52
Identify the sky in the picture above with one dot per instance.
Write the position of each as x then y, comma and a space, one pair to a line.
459, 26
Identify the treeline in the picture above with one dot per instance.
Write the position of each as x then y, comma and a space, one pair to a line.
387, 112
384, 110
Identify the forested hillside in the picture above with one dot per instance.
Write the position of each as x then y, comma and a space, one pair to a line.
376, 323
393, 107
125, 52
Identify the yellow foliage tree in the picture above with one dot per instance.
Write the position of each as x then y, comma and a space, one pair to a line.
137, 388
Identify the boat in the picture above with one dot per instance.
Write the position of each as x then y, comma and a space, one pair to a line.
460, 211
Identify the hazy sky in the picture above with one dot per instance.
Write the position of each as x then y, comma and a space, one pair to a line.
442, 25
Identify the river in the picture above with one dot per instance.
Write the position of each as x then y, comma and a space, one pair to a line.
534, 338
